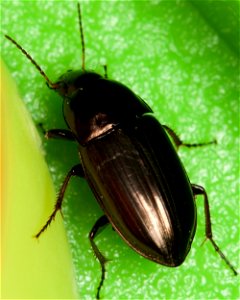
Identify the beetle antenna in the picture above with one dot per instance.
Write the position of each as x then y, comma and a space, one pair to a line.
82, 36
31, 60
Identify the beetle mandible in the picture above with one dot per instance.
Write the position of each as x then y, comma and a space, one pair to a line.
131, 166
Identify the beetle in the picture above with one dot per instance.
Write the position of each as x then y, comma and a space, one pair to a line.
130, 162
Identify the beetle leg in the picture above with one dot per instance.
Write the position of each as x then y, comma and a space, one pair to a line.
75, 171
60, 134
57, 133
101, 222
178, 142
199, 190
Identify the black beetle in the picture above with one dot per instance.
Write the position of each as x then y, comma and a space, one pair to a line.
131, 165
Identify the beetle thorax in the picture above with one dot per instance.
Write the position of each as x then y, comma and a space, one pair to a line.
87, 123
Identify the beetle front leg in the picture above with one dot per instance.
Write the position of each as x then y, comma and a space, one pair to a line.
60, 134
178, 142
75, 171
101, 222
57, 133
199, 190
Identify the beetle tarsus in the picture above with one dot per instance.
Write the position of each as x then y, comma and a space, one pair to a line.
178, 142
101, 222
49, 221
194, 145
199, 190
75, 171
218, 250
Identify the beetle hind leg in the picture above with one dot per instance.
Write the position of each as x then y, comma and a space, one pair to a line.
101, 222
178, 142
199, 190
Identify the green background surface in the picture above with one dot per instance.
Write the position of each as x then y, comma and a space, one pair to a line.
182, 57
